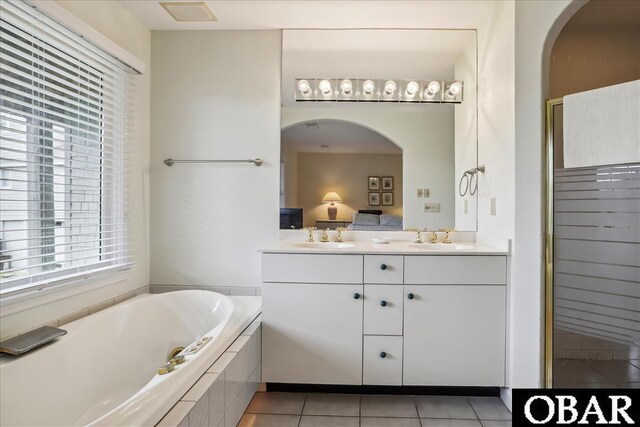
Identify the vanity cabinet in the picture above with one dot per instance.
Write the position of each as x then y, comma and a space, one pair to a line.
353, 319
454, 335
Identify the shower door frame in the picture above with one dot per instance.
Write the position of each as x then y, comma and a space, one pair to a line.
548, 243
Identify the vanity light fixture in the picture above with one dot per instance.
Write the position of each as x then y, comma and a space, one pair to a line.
384, 90
346, 87
411, 90
389, 89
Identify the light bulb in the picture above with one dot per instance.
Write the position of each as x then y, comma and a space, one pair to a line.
412, 88
432, 88
368, 87
346, 87
304, 87
389, 87
455, 88
325, 88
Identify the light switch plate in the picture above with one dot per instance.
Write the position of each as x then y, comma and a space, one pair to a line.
420, 192
426, 192
432, 207
493, 206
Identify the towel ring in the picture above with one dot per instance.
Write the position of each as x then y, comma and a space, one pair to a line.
464, 175
472, 188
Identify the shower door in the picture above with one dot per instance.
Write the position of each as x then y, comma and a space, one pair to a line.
592, 270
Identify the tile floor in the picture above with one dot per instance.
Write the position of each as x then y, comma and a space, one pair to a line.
274, 409
572, 373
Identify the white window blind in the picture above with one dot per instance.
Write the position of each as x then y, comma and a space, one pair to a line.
65, 116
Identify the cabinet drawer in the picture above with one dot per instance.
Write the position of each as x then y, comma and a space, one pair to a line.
386, 269
382, 360
312, 268
383, 309
455, 270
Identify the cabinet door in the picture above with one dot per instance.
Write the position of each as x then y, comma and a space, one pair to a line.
383, 309
312, 333
454, 335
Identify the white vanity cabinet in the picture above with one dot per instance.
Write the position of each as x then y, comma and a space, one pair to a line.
313, 330
353, 319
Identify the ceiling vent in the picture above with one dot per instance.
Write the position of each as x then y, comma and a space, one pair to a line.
189, 11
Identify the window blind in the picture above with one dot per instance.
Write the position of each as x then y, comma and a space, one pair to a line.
65, 118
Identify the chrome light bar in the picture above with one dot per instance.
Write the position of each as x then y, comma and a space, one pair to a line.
378, 90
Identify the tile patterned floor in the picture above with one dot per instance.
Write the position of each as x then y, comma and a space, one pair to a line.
574, 373
347, 410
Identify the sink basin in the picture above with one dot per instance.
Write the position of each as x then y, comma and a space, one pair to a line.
320, 245
452, 247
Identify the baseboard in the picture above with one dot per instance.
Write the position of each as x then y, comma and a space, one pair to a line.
383, 389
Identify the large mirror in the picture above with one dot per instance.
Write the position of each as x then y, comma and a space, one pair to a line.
361, 153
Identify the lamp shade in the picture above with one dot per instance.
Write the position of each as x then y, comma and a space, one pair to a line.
331, 196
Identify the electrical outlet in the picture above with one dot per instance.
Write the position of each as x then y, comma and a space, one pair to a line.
420, 192
493, 206
432, 207
466, 206
426, 192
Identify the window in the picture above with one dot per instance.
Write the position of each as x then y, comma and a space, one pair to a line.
64, 120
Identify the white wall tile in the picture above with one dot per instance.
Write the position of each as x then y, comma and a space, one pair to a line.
239, 344
218, 289
124, 297
242, 291
177, 414
199, 415
101, 306
158, 289
221, 364
200, 387
216, 401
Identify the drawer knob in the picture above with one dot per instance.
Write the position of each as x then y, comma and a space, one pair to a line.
383, 354
383, 303
383, 266
411, 296
356, 296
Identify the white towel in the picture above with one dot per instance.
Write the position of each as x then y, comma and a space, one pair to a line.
602, 126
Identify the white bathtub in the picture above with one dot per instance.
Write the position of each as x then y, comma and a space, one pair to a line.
103, 372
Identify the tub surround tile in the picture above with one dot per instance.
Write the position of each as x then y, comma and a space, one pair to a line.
326, 421
200, 387
221, 364
159, 289
332, 404
445, 407
238, 344
101, 306
490, 408
124, 297
199, 415
389, 422
190, 287
142, 290
73, 317
388, 406
444, 422
177, 414
216, 400
218, 289
251, 329
269, 420
277, 403
242, 291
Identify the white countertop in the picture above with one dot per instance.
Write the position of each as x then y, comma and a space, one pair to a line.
395, 248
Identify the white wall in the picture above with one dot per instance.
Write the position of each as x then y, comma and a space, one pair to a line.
215, 95
116, 23
426, 138
466, 140
537, 23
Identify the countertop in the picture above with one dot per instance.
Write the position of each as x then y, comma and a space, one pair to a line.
394, 248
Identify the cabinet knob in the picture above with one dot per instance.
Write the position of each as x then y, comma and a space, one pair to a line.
411, 296
383, 303
383, 354
383, 266
356, 296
